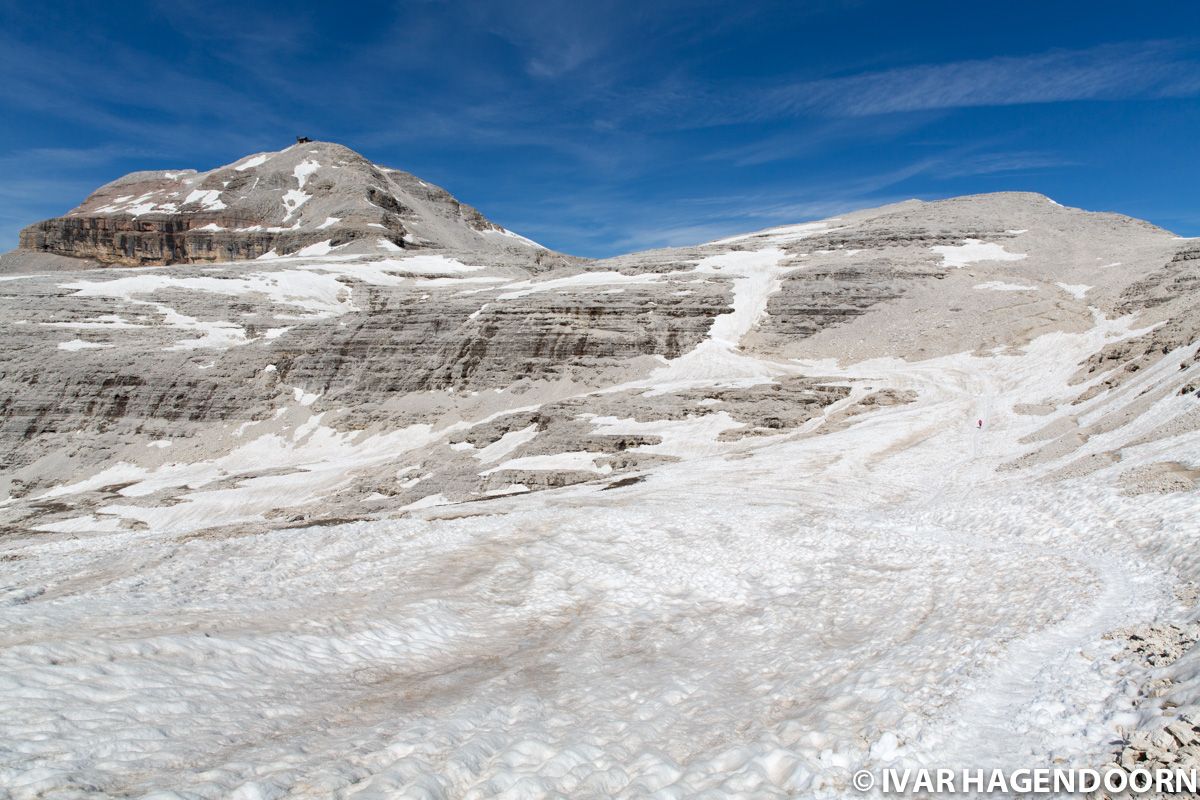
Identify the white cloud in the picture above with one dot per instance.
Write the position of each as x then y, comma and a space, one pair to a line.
1108, 72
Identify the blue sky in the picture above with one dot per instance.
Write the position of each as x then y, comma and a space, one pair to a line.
605, 127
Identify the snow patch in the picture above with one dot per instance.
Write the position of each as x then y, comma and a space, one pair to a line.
303, 170
574, 461
292, 200
755, 275
972, 251
693, 437
783, 233
1076, 290
209, 199
102, 322
304, 398
581, 281
1000, 286
80, 344
427, 265
252, 162
429, 501
510, 235
507, 444
318, 249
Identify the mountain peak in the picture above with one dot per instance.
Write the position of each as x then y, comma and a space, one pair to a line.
269, 203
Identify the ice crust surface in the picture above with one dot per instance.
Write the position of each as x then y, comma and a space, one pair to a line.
746, 627
753, 626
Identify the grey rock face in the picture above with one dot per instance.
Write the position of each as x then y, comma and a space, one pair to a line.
394, 343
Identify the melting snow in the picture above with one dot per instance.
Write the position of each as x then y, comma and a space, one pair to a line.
973, 250
103, 322
1000, 286
253, 161
684, 438
783, 233
292, 200
318, 249
429, 501
583, 280
313, 292
755, 626
1076, 290
576, 460
509, 234
304, 398
80, 344
507, 444
208, 198
304, 169
426, 265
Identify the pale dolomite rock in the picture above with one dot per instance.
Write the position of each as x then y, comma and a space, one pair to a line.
281, 203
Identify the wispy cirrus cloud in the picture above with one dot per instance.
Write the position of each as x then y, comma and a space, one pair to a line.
822, 137
1010, 162
1107, 72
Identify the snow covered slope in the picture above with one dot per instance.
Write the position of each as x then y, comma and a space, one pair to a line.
731, 520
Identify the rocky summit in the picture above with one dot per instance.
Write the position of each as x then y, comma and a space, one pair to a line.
314, 482
297, 200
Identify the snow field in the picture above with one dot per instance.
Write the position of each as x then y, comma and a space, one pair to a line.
759, 625
714, 631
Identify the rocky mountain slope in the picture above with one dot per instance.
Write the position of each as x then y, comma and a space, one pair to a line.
736, 336
462, 450
312, 195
